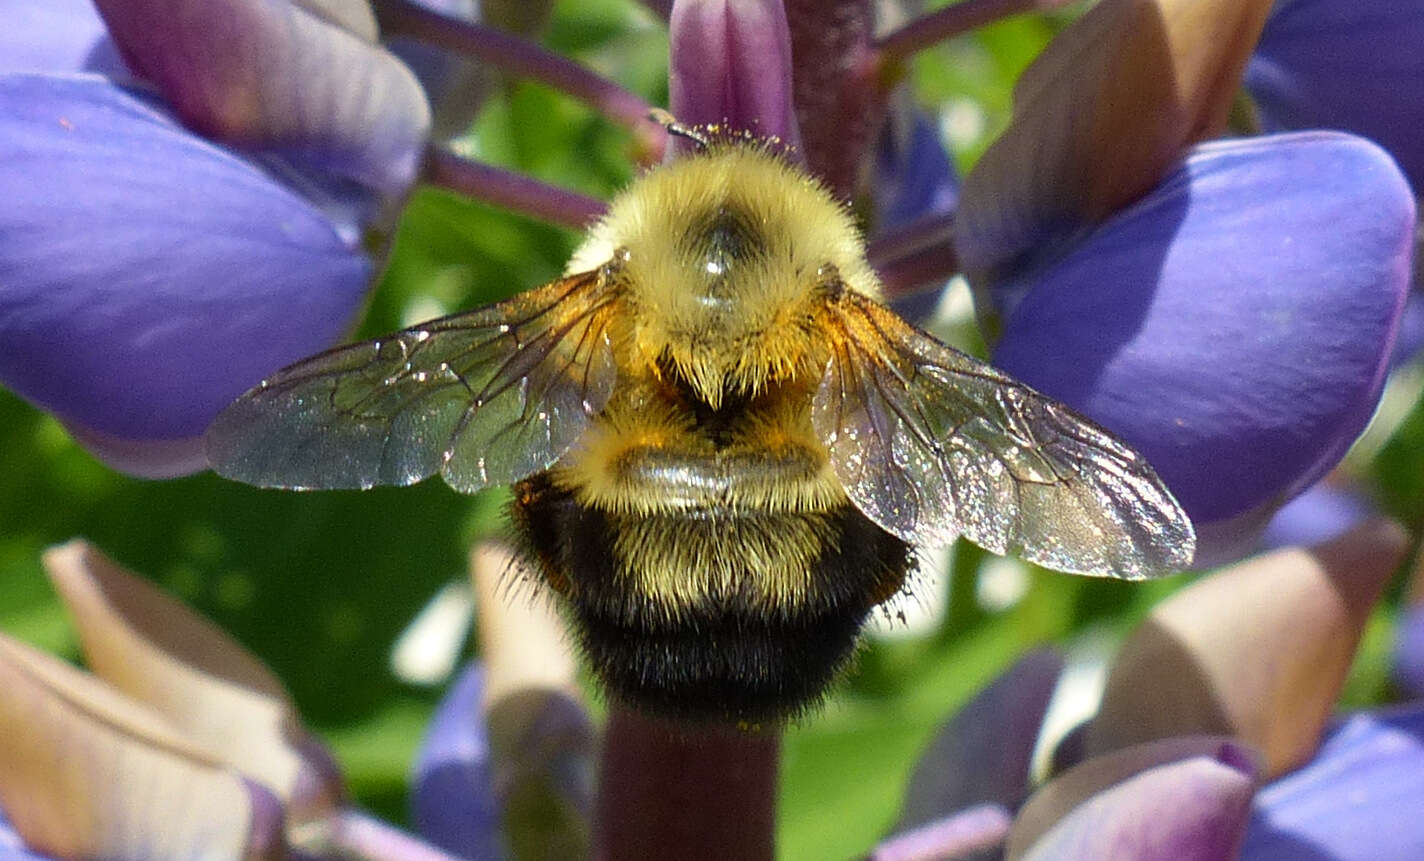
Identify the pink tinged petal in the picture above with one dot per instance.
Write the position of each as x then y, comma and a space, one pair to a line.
1359, 799
275, 76
983, 754
730, 62
208, 687
960, 835
1258, 650
1184, 799
1240, 317
57, 36
1100, 117
147, 277
86, 773
1353, 65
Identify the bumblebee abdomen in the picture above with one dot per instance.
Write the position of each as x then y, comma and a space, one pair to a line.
726, 613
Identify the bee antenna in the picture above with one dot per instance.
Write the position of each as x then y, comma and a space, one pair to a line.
669, 122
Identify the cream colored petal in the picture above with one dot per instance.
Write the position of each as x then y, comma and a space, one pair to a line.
85, 773
522, 639
353, 16
206, 685
1112, 103
1257, 651
541, 738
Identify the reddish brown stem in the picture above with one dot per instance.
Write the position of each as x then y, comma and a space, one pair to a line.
523, 58
511, 191
951, 21
686, 792
917, 256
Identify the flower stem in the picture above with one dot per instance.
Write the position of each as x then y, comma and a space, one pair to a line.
510, 190
839, 98
525, 59
685, 791
357, 835
918, 254
951, 21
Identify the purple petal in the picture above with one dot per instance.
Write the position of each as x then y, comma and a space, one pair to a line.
57, 36
1324, 512
730, 62
1358, 800
275, 76
983, 754
914, 177
453, 803
1353, 65
959, 835
1408, 669
146, 277
1192, 809
1234, 325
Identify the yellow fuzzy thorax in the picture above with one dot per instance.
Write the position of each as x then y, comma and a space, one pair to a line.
721, 255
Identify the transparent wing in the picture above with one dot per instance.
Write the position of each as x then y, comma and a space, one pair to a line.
485, 398
931, 443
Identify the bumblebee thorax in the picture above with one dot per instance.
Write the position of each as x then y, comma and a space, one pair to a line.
723, 256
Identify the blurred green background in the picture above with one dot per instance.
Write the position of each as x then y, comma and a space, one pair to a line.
320, 585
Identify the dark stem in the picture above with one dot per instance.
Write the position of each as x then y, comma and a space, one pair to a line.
917, 256
525, 59
685, 791
839, 97
510, 190
951, 21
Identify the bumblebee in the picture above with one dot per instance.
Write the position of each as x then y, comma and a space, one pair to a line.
724, 450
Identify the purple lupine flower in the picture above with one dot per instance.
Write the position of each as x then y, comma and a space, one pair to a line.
1227, 308
159, 256
1216, 692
